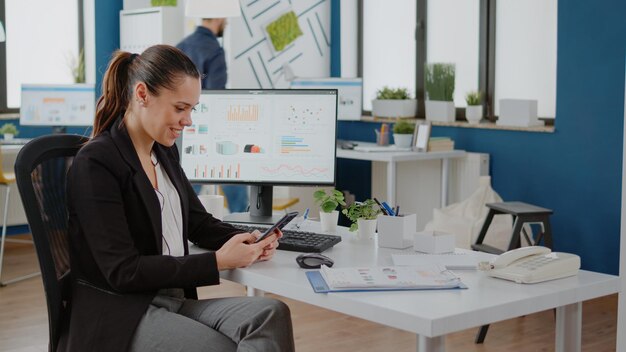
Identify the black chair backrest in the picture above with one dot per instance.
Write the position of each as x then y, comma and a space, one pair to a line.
40, 171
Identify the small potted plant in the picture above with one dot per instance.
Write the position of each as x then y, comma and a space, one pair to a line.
328, 203
394, 102
439, 84
363, 216
403, 134
474, 110
9, 131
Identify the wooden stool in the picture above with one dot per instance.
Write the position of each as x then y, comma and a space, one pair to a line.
523, 213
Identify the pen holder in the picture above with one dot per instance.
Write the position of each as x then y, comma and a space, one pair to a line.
396, 231
434, 242
382, 138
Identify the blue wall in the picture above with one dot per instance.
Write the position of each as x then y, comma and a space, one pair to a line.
574, 171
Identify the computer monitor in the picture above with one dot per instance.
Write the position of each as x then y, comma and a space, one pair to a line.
57, 105
262, 138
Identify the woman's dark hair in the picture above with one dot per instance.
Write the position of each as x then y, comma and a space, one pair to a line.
159, 67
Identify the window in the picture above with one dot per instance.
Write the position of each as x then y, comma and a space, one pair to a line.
388, 46
43, 40
505, 51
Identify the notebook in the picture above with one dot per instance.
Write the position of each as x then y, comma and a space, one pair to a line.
387, 278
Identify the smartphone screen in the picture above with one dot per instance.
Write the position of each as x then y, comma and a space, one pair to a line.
279, 224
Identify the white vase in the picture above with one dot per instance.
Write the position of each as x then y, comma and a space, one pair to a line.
402, 140
328, 221
441, 111
394, 108
474, 113
8, 136
367, 229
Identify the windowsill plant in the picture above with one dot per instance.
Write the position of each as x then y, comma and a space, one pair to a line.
394, 102
474, 110
328, 203
439, 84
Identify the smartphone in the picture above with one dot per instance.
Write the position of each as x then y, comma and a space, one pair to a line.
279, 224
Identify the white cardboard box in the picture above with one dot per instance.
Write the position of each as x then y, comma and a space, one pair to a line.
518, 112
433, 242
396, 231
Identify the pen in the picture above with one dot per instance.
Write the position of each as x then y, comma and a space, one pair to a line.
388, 209
381, 207
306, 214
397, 210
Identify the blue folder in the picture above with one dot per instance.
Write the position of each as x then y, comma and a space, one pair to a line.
320, 286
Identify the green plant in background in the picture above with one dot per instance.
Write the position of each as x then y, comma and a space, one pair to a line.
403, 127
367, 210
474, 98
387, 93
439, 81
329, 202
9, 128
284, 30
77, 67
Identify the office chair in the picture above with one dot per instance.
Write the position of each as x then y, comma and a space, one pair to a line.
6, 180
40, 169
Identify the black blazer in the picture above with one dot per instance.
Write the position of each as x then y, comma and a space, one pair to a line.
115, 241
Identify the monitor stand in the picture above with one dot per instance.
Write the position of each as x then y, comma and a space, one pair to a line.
260, 208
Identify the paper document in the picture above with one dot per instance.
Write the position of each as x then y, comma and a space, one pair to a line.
460, 259
381, 148
389, 277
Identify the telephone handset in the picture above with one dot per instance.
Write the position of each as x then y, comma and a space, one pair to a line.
533, 264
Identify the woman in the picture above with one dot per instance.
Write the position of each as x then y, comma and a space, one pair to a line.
131, 212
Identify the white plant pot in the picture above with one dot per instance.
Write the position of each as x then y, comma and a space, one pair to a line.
402, 140
328, 221
367, 229
8, 136
394, 108
473, 114
440, 111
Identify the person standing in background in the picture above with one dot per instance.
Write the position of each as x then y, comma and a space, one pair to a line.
207, 54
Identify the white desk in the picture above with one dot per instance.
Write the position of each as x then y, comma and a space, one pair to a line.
433, 314
391, 158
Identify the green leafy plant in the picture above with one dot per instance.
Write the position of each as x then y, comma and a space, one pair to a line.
403, 127
439, 81
387, 93
77, 67
367, 210
474, 98
9, 128
328, 201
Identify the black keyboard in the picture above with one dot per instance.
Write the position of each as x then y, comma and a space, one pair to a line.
299, 241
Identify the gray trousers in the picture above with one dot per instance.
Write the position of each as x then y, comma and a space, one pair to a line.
223, 324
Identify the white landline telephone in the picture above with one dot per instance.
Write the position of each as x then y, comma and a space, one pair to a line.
529, 265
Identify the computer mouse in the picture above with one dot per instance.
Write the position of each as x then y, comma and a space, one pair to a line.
313, 261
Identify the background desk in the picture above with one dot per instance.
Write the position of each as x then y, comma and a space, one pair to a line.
432, 314
391, 158
16, 214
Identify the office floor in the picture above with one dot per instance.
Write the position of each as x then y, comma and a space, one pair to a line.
23, 322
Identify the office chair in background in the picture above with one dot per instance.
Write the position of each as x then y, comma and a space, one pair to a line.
6, 179
40, 170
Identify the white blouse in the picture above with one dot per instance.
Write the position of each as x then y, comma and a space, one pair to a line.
171, 212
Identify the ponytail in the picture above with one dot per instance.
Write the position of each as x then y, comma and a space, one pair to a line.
159, 67
115, 92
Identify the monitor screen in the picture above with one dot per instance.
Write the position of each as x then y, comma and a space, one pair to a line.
57, 104
262, 137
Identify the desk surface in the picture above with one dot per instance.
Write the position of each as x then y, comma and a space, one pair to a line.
426, 313
391, 156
